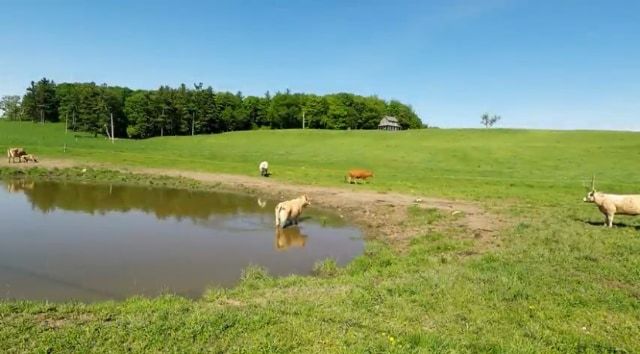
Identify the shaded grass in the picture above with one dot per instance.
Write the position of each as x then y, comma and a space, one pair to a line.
556, 284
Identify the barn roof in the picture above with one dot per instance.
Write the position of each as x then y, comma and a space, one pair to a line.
389, 121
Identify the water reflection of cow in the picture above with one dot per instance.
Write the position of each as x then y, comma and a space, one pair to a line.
19, 185
289, 237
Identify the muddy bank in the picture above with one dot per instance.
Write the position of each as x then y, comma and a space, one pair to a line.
382, 215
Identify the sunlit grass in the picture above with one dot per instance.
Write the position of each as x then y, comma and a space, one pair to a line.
554, 282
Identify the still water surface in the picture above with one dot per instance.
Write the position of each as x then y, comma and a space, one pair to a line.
67, 241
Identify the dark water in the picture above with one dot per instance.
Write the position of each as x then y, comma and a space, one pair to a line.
64, 241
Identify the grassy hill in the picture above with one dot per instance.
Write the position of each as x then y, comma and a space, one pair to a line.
472, 164
556, 283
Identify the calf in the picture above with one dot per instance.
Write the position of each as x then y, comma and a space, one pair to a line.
289, 211
13, 153
355, 175
29, 157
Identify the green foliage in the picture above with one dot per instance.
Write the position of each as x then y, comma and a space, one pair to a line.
11, 107
182, 111
40, 103
488, 121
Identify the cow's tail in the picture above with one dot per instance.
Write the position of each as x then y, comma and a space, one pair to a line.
279, 208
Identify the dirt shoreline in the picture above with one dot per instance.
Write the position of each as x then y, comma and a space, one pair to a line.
382, 215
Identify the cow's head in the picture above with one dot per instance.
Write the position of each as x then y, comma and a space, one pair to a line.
306, 200
590, 198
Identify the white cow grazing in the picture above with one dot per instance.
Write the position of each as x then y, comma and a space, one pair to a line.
289, 211
264, 169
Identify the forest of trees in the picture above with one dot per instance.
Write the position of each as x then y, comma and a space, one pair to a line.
183, 110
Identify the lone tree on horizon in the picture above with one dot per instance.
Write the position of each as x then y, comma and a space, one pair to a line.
489, 121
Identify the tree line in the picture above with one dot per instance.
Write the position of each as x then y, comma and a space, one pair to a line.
186, 110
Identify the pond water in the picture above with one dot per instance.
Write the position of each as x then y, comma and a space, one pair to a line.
69, 241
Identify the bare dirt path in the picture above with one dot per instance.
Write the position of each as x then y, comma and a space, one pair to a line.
381, 214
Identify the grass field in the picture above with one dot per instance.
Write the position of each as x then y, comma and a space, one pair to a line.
557, 283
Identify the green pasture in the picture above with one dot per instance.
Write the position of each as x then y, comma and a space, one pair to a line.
554, 280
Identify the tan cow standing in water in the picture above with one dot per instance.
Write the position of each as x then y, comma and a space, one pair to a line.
289, 211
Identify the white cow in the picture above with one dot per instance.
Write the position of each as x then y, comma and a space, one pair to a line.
289, 211
612, 204
264, 169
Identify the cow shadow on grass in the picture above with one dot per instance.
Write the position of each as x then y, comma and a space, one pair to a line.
615, 224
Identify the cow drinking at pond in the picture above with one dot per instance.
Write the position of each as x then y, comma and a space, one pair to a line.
13, 153
289, 211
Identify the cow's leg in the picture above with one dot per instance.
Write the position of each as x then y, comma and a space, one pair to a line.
611, 220
277, 216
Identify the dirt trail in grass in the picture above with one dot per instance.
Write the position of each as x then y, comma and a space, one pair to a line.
381, 214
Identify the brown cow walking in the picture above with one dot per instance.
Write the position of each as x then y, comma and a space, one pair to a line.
355, 175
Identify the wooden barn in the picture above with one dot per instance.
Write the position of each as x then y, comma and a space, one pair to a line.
389, 123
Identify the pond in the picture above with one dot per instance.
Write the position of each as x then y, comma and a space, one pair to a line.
71, 241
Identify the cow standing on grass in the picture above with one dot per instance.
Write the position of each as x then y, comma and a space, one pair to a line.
264, 169
13, 153
612, 204
355, 175
29, 158
289, 211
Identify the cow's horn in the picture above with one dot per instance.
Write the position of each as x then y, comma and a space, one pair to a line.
593, 182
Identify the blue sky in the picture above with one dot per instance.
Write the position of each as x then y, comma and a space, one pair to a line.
539, 64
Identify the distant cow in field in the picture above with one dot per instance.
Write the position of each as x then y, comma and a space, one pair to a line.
289, 211
13, 153
29, 158
264, 169
355, 175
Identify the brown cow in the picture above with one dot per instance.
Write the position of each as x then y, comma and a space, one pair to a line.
355, 175
13, 153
